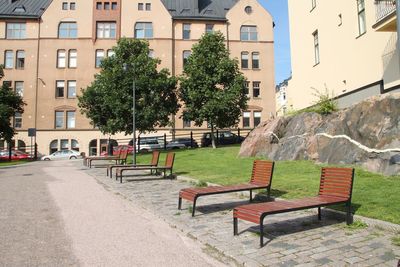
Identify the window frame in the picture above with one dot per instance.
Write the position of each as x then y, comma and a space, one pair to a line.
72, 6
97, 63
64, 6
75, 58
246, 119
19, 88
185, 56
248, 32
60, 112
99, 5
244, 61
21, 30
253, 66
317, 58
68, 30
18, 58
69, 87
61, 59
145, 30
114, 6
147, 7
58, 92
8, 59
186, 32
256, 89
361, 17
104, 27
18, 125
68, 119
140, 6
256, 119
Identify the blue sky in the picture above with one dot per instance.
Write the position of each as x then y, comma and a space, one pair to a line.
279, 11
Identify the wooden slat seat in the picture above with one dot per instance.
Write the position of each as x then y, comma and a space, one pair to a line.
153, 163
261, 178
169, 164
121, 157
336, 185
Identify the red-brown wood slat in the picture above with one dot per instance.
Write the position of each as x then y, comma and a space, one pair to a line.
336, 181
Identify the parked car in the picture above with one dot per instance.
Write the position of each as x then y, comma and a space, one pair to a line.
116, 149
63, 154
186, 142
146, 144
224, 138
175, 145
15, 155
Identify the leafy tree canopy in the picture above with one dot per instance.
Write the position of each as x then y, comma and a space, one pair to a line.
212, 87
10, 103
107, 102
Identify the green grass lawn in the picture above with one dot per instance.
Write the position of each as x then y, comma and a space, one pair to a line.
375, 196
10, 163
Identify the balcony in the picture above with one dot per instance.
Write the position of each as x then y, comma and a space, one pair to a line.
385, 16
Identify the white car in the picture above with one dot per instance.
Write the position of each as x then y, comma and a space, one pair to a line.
63, 154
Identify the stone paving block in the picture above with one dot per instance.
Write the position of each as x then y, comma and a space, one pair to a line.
354, 260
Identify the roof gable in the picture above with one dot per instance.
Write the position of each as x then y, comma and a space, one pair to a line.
23, 8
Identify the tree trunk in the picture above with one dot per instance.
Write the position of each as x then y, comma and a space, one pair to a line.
213, 137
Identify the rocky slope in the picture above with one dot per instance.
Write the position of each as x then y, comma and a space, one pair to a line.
367, 134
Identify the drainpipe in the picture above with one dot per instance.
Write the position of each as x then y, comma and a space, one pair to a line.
398, 27
37, 82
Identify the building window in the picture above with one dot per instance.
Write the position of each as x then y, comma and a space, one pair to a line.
246, 87
59, 121
106, 30
64, 144
7, 84
246, 119
143, 30
114, 5
186, 31
316, 48
8, 59
60, 89
362, 28
20, 64
72, 5
257, 118
209, 28
16, 30
148, 6
244, 60
186, 55
99, 58
61, 58
255, 60
140, 6
72, 58
110, 53
248, 10
18, 120
256, 89
71, 89
74, 145
99, 5
107, 6
64, 6
19, 88
313, 4
248, 33
67, 30
70, 119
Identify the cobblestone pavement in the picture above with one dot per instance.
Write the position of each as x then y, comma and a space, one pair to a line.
292, 239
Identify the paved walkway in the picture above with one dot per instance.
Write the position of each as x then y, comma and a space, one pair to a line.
54, 214
295, 239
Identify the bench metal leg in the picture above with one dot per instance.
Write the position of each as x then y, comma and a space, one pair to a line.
194, 206
349, 219
235, 226
261, 233
120, 177
179, 203
319, 213
269, 192
251, 195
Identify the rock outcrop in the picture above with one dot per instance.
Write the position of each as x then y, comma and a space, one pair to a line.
367, 134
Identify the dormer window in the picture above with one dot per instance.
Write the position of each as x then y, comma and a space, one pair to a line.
19, 9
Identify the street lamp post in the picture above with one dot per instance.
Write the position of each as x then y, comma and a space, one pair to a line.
125, 66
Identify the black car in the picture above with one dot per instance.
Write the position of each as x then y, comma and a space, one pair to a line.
224, 138
187, 142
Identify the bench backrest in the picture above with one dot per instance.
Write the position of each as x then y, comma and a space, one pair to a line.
262, 172
155, 157
336, 182
123, 154
169, 160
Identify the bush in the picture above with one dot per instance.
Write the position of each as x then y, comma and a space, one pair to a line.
325, 105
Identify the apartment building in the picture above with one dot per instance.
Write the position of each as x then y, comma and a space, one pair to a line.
345, 47
51, 49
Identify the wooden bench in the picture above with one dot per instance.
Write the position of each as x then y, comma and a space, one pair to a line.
336, 186
119, 159
153, 163
169, 164
261, 178
89, 158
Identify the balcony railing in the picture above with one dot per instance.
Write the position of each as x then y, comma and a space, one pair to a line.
384, 8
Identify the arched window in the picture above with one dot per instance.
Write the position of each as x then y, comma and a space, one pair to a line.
143, 30
53, 146
74, 145
67, 30
93, 147
248, 33
21, 146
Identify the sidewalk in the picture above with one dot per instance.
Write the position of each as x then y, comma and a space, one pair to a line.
295, 239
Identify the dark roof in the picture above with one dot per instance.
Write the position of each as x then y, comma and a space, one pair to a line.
23, 8
199, 9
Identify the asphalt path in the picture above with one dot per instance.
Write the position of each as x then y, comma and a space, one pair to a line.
54, 214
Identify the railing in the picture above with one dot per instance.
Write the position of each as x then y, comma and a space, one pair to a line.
384, 8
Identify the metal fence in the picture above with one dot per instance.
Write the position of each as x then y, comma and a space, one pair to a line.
383, 8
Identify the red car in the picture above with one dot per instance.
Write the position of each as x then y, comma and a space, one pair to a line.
15, 155
119, 148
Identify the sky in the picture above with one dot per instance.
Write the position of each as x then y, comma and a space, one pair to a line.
279, 12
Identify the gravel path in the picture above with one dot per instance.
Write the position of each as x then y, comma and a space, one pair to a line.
53, 214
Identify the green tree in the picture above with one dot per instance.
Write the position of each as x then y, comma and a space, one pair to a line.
212, 87
10, 103
107, 102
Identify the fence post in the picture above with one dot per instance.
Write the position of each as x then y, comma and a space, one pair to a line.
217, 138
35, 155
165, 141
191, 139
138, 144
9, 151
238, 135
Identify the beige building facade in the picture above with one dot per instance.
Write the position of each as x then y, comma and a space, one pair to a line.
52, 49
347, 48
